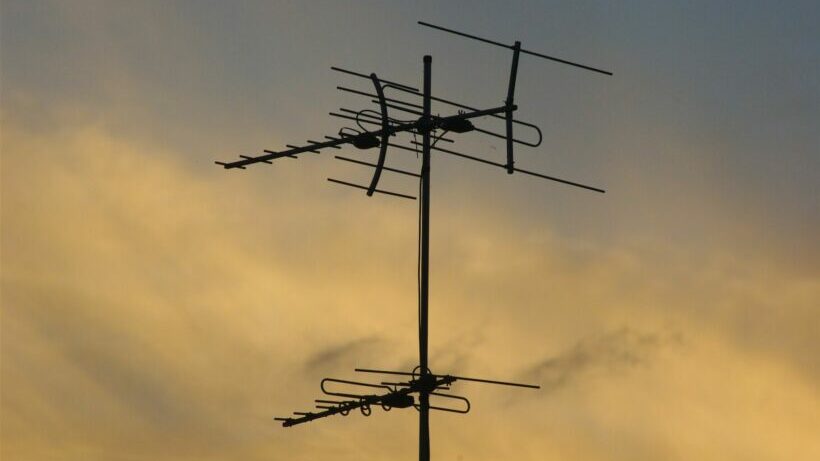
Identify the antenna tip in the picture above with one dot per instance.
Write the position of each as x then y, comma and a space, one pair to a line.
428, 58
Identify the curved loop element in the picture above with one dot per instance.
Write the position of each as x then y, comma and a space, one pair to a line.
346, 134
416, 373
535, 127
452, 410
365, 409
516, 140
385, 126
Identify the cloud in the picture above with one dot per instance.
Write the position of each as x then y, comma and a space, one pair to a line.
612, 352
330, 358
161, 310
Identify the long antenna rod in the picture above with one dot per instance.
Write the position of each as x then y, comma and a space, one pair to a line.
519, 170
512, 47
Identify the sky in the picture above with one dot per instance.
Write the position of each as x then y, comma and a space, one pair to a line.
156, 306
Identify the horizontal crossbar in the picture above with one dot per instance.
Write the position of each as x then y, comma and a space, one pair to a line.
387, 192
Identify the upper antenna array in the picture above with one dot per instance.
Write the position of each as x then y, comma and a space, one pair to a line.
380, 129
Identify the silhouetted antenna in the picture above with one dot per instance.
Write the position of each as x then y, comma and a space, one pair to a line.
374, 128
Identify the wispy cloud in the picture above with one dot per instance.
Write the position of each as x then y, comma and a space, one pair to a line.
612, 352
331, 357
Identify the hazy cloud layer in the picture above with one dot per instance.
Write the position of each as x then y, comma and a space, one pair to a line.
156, 314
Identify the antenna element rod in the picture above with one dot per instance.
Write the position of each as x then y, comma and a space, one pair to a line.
533, 53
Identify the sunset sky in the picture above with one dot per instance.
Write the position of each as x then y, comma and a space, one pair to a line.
158, 307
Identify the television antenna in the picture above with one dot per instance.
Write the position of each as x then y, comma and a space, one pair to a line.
412, 388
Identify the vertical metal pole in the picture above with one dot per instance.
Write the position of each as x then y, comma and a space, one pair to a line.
424, 395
